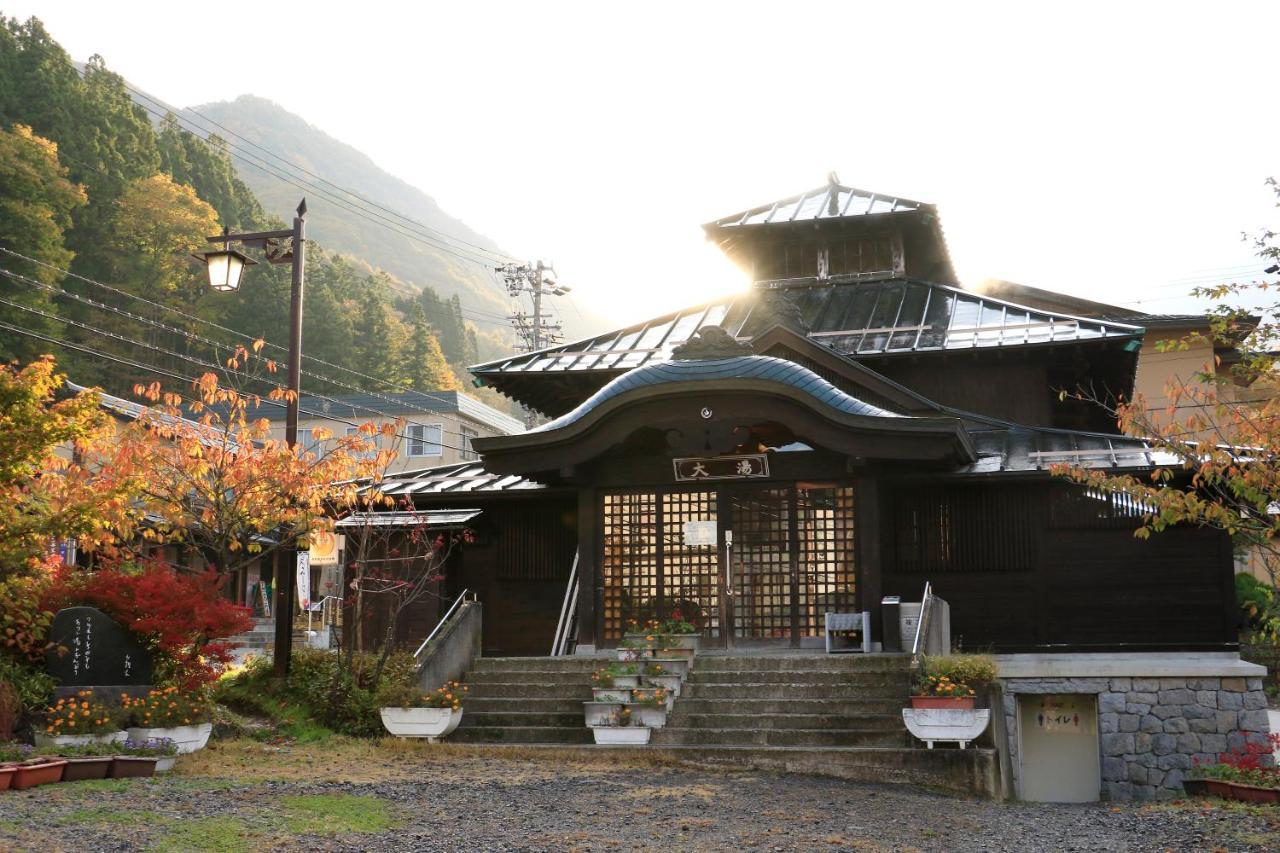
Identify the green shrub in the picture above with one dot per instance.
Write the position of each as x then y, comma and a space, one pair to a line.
971, 670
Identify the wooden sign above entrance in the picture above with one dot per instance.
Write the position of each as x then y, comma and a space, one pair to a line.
752, 466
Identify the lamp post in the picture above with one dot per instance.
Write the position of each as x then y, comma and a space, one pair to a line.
226, 267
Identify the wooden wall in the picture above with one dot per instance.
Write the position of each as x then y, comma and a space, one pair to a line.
1066, 572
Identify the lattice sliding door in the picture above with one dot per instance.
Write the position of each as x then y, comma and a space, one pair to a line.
827, 565
630, 563
690, 573
762, 554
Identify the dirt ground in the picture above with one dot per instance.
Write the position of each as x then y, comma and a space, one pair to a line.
349, 795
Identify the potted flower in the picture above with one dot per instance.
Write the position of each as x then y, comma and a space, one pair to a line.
139, 759
410, 712
952, 681
168, 713
88, 761
635, 648
657, 675
78, 720
679, 633
617, 675
649, 707
11, 754
620, 729
1239, 774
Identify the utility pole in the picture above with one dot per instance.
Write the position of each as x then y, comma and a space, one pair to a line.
536, 330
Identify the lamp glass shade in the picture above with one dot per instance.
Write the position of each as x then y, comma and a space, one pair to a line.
225, 269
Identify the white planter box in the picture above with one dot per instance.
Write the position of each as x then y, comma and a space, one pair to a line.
675, 666
629, 655
621, 735
430, 723
188, 738
682, 641
598, 713
952, 725
626, 681
647, 715
616, 695
676, 653
165, 764
47, 740
670, 683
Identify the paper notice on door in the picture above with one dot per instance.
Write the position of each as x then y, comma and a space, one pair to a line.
699, 533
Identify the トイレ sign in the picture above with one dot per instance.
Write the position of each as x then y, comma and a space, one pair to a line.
752, 466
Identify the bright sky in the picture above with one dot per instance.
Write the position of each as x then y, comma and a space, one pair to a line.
1115, 151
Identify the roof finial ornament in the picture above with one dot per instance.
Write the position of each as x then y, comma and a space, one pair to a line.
833, 179
710, 342
833, 193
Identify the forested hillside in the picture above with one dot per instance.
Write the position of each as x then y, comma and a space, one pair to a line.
90, 184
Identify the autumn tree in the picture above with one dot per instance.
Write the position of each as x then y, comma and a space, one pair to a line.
1218, 436
49, 487
425, 367
36, 203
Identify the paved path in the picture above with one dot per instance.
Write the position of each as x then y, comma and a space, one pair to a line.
483, 802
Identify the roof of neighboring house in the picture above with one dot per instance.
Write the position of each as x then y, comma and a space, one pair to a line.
1042, 299
830, 201
858, 318
421, 518
361, 406
460, 478
210, 435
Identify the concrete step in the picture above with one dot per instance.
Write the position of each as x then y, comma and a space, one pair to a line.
673, 734
779, 690
533, 676
692, 720
516, 689
828, 663
577, 734
564, 664
489, 704
555, 719
755, 706
701, 675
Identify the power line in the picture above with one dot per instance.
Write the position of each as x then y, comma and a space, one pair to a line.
154, 369
238, 334
201, 339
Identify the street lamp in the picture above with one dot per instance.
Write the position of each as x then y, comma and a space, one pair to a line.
226, 266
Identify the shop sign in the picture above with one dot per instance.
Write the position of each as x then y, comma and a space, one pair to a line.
749, 467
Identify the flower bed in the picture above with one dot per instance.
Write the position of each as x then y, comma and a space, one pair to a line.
1248, 774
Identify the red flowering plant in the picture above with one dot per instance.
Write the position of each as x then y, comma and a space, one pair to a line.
1254, 765
181, 616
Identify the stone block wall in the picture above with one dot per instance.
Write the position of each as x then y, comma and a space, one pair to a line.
1152, 730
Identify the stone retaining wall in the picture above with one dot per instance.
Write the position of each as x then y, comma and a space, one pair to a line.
1152, 730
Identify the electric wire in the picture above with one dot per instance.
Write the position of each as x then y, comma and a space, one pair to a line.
212, 343
238, 334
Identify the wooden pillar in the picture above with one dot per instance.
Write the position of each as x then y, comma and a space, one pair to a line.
868, 518
590, 584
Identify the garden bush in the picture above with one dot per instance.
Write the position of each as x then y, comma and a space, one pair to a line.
970, 670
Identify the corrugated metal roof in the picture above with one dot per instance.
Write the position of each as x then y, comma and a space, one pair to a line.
861, 318
363, 406
1019, 449
832, 201
423, 518
720, 370
459, 478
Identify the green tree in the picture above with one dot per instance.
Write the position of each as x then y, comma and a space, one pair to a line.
36, 203
425, 367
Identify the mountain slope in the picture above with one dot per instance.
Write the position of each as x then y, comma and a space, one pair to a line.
412, 260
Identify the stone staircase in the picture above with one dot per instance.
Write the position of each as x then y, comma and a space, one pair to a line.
794, 701
260, 640
813, 701
527, 700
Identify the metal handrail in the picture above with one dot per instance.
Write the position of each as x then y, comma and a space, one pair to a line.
925, 601
568, 609
436, 630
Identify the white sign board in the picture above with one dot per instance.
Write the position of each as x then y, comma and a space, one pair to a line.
304, 579
699, 533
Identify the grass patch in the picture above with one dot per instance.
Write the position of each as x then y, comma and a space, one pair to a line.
206, 834
98, 815
98, 786
335, 814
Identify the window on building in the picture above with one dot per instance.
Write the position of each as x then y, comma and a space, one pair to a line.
425, 440
308, 442
467, 433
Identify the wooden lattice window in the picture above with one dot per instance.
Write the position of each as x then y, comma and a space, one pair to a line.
825, 532
965, 528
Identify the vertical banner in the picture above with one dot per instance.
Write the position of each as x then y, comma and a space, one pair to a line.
304, 579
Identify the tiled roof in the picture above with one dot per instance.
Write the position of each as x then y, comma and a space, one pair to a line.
720, 370
857, 318
832, 201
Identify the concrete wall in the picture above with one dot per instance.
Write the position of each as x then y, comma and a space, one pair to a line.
452, 652
1158, 713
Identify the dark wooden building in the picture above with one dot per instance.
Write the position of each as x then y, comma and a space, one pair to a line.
853, 426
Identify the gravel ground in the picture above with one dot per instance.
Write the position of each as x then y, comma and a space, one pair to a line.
483, 802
